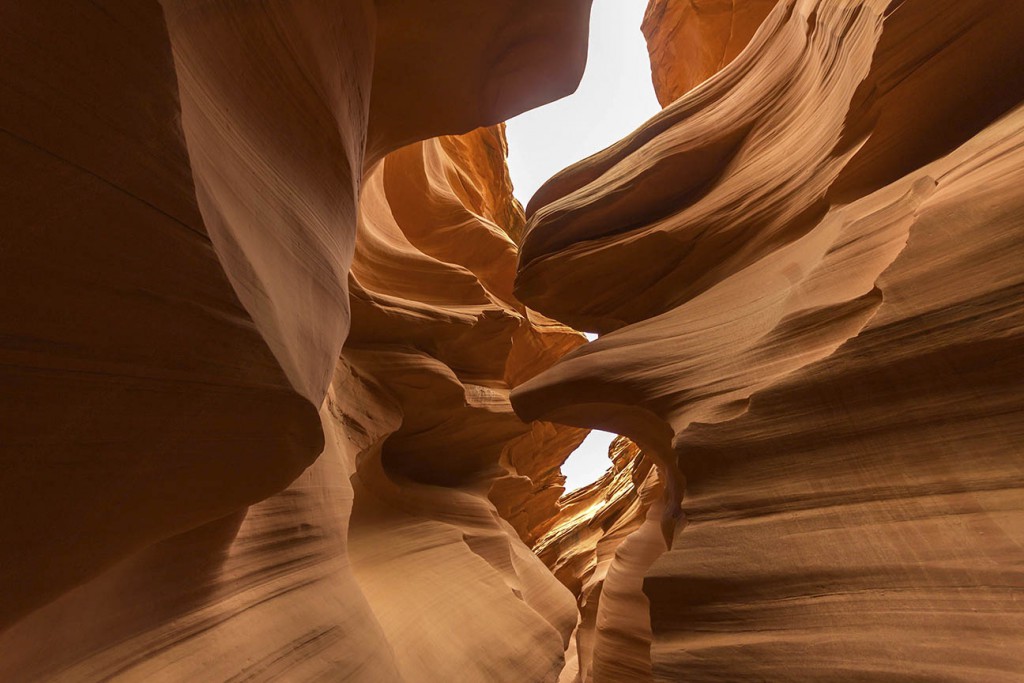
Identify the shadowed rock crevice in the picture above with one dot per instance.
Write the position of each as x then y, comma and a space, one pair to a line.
287, 374
803, 354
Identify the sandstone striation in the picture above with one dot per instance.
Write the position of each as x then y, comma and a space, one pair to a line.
181, 438
287, 374
597, 532
342, 573
691, 41
816, 317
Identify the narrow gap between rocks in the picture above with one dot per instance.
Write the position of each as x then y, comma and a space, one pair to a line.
615, 96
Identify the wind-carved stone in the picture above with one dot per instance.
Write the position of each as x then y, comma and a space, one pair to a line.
287, 375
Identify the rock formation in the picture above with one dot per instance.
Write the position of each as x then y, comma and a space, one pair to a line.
181, 440
600, 530
691, 41
815, 326
287, 376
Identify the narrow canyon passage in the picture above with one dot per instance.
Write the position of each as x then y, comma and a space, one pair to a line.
288, 374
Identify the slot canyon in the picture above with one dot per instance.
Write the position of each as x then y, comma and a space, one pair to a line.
288, 375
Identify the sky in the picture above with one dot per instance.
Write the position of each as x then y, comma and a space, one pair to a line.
615, 97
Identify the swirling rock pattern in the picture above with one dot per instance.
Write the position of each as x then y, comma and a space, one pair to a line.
286, 374
181, 439
128, 360
441, 504
599, 530
815, 315
691, 41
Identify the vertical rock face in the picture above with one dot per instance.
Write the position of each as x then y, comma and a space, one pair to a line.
437, 326
816, 317
181, 440
391, 557
263, 330
690, 40
599, 531
135, 387
275, 124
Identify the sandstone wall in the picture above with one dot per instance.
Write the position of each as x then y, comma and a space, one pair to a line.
182, 440
287, 375
815, 316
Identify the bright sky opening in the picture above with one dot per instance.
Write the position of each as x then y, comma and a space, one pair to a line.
615, 97
588, 462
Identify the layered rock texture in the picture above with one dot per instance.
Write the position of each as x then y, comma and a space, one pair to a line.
287, 376
808, 270
183, 442
691, 41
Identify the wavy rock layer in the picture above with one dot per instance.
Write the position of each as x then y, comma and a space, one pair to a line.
816, 316
806, 270
402, 516
596, 532
691, 41
456, 591
197, 485
135, 386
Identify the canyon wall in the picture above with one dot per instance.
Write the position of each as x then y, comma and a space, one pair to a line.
288, 375
691, 41
398, 555
183, 441
807, 273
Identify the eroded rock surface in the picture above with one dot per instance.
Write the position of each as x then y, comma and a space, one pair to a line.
600, 530
268, 303
398, 555
807, 268
690, 40
181, 438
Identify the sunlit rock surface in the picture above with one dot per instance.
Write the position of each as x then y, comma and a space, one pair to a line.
277, 403
690, 40
808, 271
456, 591
592, 538
181, 440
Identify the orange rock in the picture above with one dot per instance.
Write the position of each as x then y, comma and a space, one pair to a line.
599, 545
262, 332
134, 387
174, 291
813, 265
691, 40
